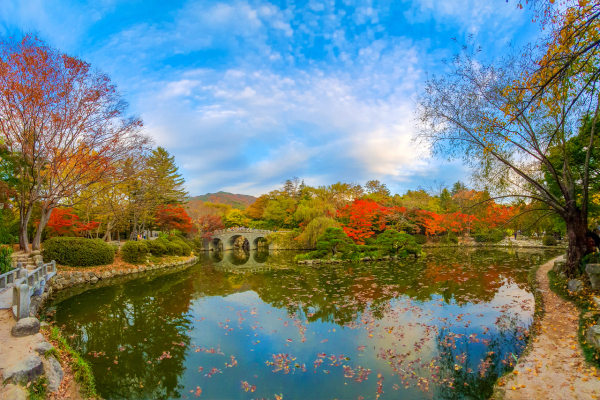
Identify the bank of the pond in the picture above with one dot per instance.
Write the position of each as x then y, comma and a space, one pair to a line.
76, 379
553, 365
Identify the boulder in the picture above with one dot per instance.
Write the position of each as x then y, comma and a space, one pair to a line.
559, 266
93, 279
28, 369
25, 327
43, 347
574, 285
596, 301
593, 271
14, 392
54, 373
592, 335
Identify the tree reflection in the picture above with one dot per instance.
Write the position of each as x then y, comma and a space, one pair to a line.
128, 330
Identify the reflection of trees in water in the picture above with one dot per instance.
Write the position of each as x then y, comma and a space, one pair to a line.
471, 365
147, 318
238, 256
261, 255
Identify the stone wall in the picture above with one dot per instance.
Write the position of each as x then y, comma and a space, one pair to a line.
67, 279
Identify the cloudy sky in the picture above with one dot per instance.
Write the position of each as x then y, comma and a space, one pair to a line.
248, 93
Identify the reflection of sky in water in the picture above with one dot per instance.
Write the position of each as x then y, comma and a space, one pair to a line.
213, 302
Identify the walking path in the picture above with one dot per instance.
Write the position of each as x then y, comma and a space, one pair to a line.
555, 367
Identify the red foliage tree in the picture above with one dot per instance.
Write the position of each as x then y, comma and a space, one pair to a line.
171, 217
64, 222
210, 223
362, 218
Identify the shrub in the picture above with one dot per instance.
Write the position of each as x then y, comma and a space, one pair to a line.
157, 247
420, 239
134, 252
549, 240
78, 251
186, 250
486, 236
450, 238
173, 249
397, 243
5, 260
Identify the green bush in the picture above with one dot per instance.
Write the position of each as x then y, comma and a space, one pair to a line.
549, 240
173, 249
114, 247
78, 251
134, 252
186, 250
450, 238
392, 242
420, 239
157, 247
5, 260
487, 236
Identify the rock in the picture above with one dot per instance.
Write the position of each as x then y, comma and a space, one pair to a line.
592, 335
43, 347
54, 373
25, 327
559, 266
596, 301
593, 271
93, 279
44, 324
28, 369
574, 285
14, 392
39, 337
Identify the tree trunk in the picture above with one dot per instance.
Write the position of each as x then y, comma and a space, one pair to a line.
24, 216
44, 218
576, 230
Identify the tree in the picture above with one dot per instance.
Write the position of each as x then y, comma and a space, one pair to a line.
256, 209
475, 113
394, 242
208, 224
235, 218
167, 183
333, 241
169, 217
361, 219
65, 122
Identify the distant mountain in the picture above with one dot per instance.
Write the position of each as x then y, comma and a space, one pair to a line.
240, 201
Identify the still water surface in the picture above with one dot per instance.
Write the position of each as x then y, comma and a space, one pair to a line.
253, 326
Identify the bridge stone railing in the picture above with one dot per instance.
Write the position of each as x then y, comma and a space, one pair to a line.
241, 230
25, 284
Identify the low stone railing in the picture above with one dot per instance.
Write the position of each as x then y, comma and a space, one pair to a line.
26, 284
241, 230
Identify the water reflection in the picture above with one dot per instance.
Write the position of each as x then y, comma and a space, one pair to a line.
441, 327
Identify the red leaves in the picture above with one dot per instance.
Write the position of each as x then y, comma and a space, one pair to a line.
362, 218
64, 222
172, 217
209, 224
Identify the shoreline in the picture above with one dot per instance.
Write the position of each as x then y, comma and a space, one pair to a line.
552, 365
66, 358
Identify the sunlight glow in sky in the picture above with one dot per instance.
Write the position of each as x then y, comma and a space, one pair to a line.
246, 94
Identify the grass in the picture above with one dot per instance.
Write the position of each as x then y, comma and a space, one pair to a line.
583, 301
37, 389
52, 352
82, 372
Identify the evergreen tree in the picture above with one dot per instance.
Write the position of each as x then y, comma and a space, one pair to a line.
167, 183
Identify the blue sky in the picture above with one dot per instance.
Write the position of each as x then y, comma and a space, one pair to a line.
248, 93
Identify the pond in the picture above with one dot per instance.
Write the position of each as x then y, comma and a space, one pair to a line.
253, 326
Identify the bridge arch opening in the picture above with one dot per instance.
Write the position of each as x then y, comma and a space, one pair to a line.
215, 244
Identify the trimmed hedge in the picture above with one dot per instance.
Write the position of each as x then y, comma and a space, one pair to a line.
549, 240
134, 252
157, 247
420, 239
174, 249
78, 251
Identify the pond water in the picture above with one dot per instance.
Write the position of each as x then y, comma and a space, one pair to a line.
253, 326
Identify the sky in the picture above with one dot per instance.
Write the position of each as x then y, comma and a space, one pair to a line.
246, 94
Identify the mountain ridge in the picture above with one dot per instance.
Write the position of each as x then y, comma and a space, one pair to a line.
240, 201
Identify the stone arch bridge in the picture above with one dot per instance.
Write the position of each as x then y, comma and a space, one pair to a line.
225, 239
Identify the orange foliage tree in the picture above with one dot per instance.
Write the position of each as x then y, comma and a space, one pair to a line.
362, 218
64, 222
66, 122
169, 217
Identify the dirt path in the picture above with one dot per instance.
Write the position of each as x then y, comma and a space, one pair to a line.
555, 367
